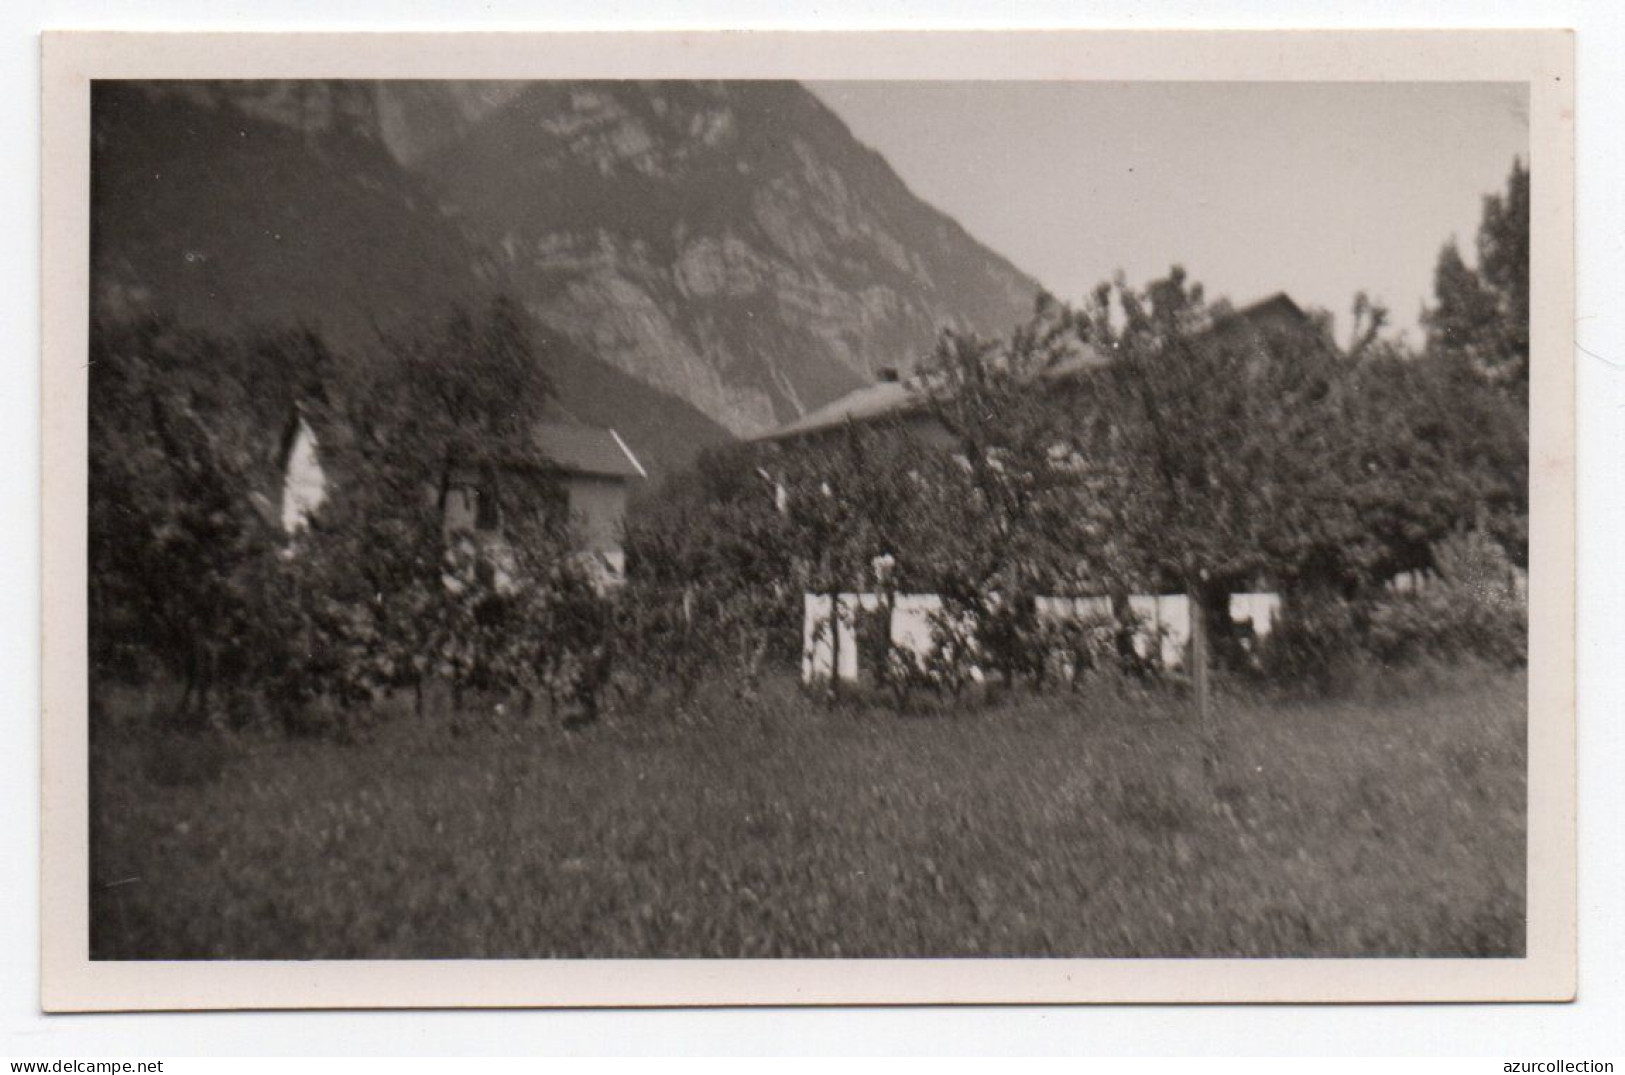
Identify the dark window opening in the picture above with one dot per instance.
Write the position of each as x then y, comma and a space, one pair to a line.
487, 514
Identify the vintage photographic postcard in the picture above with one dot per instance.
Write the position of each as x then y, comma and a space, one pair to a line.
784, 518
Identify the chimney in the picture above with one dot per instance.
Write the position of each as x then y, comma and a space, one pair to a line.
888, 374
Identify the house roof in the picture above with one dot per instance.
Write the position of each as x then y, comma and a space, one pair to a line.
885, 398
860, 405
589, 450
1082, 360
1277, 305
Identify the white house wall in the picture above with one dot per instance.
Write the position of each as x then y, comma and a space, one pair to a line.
911, 628
304, 485
1261, 610
1166, 616
819, 645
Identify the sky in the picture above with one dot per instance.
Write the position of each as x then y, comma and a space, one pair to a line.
1317, 189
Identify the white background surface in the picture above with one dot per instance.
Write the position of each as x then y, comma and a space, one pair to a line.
1592, 1027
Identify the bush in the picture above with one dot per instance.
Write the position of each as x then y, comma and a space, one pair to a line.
1315, 644
1471, 609
1013, 639
679, 637
1077, 646
951, 663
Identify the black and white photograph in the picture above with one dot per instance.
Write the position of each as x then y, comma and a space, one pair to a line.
808, 519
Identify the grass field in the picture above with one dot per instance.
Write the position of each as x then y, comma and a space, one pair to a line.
1105, 826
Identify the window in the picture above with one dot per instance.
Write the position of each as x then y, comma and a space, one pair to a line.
487, 515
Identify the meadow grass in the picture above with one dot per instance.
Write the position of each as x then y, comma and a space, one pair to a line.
1102, 824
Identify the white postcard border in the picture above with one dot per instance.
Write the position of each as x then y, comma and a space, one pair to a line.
1543, 59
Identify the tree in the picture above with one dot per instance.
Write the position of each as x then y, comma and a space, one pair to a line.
1015, 511
191, 572
1214, 447
1015, 448
1428, 448
1247, 453
1482, 312
711, 574
184, 432
463, 404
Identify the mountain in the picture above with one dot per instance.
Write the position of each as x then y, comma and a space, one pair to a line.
730, 243
225, 216
703, 259
258, 205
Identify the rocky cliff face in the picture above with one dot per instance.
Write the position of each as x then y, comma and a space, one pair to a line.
729, 242
728, 245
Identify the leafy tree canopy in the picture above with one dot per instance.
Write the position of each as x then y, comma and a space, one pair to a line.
1481, 312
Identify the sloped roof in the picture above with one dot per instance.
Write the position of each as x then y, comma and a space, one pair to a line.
860, 405
589, 450
1279, 305
1081, 361
884, 398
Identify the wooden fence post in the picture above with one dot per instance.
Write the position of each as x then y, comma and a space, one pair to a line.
1199, 655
